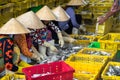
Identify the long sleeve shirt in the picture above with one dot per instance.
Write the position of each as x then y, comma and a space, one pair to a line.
70, 11
6, 50
63, 25
40, 35
20, 39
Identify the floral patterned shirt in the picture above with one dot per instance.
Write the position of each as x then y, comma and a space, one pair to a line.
6, 50
40, 35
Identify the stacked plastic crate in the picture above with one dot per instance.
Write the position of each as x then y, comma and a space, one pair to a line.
6, 11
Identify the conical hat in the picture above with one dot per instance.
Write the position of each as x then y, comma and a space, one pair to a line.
13, 27
61, 14
30, 20
45, 14
75, 3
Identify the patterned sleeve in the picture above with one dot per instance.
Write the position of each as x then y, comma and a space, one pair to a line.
36, 36
21, 42
8, 52
54, 27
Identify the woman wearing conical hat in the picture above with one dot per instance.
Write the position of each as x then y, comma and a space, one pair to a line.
70, 10
38, 31
24, 41
7, 54
62, 20
47, 17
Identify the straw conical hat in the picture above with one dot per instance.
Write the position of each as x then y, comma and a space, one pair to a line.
45, 14
30, 20
61, 14
75, 3
13, 27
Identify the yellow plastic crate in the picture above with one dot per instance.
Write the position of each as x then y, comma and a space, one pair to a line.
5, 17
105, 27
85, 71
7, 8
105, 77
41, 2
109, 41
33, 3
90, 39
15, 76
19, 77
17, 13
87, 67
3, 1
5, 78
22, 5
85, 50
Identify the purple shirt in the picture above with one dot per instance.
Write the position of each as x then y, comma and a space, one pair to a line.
63, 25
70, 11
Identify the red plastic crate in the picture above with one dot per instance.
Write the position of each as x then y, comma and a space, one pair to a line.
58, 71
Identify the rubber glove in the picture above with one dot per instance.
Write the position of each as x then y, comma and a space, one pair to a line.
17, 51
36, 57
82, 27
69, 39
36, 52
61, 42
53, 48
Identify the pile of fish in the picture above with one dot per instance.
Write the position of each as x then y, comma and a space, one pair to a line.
81, 38
89, 33
63, 53
113, 71
103, 53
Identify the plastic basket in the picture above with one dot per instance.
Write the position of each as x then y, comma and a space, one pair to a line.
33, 3
106, 27
57, 71
5, 17
7, 8
22, 5
17, 13
108, 41
87, 67
3, 1
85, 71
5, 78
19, 77
41, 2
85, 50
105, 77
